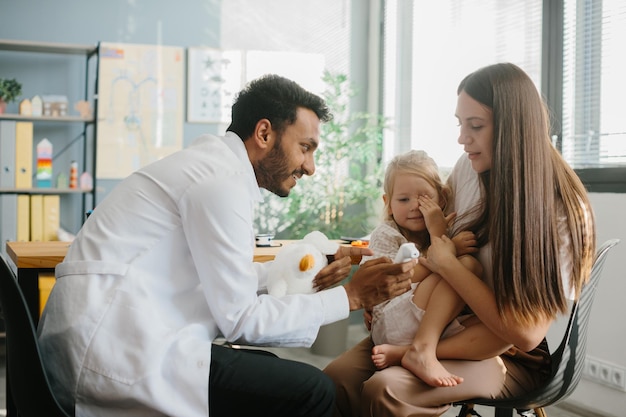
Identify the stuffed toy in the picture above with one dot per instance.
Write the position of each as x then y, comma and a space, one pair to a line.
296, 264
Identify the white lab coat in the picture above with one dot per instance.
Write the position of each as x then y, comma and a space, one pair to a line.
161, 268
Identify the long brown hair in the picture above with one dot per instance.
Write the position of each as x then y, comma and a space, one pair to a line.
528, 188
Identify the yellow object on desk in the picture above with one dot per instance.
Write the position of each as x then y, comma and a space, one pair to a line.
46, 282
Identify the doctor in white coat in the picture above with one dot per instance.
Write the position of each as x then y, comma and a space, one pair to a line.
164, 266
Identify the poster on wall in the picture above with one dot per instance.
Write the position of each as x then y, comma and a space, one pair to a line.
214, 76
140, 106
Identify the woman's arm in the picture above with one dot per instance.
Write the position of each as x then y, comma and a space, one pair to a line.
481, 299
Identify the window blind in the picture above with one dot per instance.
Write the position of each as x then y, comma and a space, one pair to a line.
594, 122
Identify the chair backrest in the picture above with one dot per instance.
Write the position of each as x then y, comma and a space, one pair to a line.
26, 378
569, 358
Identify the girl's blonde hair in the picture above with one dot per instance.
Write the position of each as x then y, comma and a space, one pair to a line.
421, 165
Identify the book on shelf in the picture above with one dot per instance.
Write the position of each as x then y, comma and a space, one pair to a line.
23, 218
23, 154
7, 153
36, 218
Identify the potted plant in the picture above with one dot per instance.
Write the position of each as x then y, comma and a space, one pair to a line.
10, 89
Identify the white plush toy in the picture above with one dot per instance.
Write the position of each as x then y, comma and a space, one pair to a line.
296, 264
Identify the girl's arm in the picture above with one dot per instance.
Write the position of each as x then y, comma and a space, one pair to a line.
481, 299
437, 224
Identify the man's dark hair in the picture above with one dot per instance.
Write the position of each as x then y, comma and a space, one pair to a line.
274, 98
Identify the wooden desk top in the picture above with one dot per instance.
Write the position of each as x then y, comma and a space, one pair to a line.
39, 255
46, 255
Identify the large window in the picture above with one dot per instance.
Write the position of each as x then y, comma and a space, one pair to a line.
447, 40
594, 120
572, 49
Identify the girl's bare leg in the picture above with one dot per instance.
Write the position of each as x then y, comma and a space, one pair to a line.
428, 335
441, 304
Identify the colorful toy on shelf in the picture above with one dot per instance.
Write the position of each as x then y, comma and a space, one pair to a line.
74, 174
44, 164
37, 106
86, 181
26, 107
84, 109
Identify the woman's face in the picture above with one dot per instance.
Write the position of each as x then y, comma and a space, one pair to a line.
476, 131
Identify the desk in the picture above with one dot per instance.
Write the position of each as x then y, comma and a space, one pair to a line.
32, 258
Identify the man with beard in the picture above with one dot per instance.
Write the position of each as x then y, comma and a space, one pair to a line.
164, 266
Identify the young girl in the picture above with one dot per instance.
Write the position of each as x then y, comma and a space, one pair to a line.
414, 197
534, 225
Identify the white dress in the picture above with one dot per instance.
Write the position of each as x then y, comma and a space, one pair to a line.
396, 321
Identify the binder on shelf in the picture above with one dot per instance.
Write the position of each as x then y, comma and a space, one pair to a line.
23, 154
36, 218
23, 218
8, 215
51, 217
7, 154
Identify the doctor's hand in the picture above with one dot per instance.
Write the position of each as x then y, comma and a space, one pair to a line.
378, 280
339, 269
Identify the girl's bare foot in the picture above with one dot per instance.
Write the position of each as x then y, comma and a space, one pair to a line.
385, 355
427, 368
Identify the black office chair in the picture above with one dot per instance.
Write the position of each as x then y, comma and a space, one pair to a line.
567, 360
27, 382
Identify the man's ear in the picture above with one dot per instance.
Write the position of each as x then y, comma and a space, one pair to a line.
263, 134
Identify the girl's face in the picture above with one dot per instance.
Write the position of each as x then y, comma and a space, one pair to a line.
476, 131
403, 203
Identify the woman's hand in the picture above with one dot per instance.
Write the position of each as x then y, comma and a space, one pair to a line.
441, 252
339, 269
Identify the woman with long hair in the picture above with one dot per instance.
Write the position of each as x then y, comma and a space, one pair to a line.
536, 235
